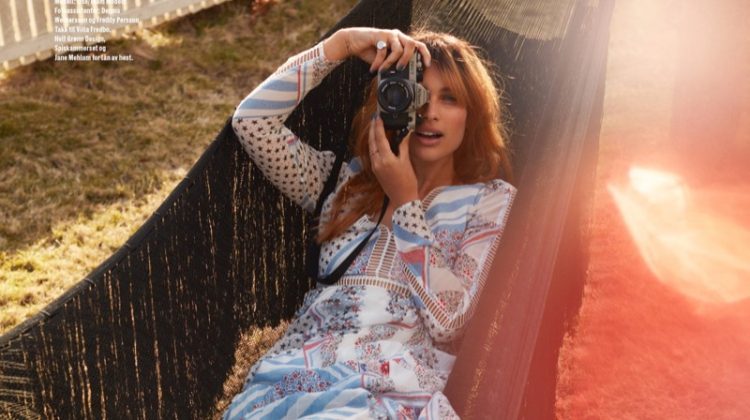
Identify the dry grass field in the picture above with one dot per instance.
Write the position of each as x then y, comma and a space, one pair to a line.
92, 149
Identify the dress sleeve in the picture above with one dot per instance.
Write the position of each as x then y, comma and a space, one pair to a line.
294, 167
447, 292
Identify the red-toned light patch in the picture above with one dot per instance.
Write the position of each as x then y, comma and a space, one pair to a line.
700, 251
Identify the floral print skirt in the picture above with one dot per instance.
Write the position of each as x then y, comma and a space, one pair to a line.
352, 351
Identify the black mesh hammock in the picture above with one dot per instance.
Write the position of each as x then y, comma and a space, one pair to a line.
152, 331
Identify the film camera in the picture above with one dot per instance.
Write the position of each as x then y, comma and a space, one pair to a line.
400, 95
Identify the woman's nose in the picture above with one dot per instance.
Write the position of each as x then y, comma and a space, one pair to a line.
427, 112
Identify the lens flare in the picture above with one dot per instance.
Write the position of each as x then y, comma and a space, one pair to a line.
696, 241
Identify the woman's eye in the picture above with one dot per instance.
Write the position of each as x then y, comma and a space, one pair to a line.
449, 98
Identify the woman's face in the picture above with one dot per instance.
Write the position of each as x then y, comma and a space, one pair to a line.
441, 130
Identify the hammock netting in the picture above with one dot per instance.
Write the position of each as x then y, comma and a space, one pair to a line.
151, 333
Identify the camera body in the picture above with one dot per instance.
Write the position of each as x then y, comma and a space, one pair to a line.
400, 94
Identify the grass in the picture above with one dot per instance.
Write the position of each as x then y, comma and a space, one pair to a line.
91, 148
252, 345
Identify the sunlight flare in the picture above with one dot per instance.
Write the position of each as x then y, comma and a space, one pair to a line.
686, 242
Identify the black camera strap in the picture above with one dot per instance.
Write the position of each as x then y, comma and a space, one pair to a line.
313, 247
341, 269
313, 250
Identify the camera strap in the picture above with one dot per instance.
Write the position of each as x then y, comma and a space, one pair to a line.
313, 250
313, 247
341, 269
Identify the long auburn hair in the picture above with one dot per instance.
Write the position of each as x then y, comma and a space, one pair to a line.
482, 156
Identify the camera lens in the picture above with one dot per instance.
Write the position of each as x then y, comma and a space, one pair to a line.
394, 96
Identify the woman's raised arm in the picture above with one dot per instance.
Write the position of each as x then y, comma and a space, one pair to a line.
296, 168
293, 166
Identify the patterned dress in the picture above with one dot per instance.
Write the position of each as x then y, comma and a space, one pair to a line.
369, 345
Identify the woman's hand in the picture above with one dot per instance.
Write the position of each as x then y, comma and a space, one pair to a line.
362, 43
394, 173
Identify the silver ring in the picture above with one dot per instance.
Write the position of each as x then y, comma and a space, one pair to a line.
380, 45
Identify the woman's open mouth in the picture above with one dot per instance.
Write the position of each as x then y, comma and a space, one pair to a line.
428, 137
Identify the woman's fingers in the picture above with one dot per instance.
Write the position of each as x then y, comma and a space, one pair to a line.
394, 173
403, 148
381, 140
409, 47
376, 157
372, 148
426, 57
395, 53
398, 47
379, 147
380, 54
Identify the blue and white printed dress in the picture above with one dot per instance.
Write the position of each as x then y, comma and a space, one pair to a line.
367, 346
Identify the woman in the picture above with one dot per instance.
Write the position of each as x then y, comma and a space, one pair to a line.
369, 345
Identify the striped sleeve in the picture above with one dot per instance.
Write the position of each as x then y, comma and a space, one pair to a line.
447, 269
296, 168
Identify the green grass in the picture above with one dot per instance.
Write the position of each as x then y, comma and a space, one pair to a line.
91, 149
